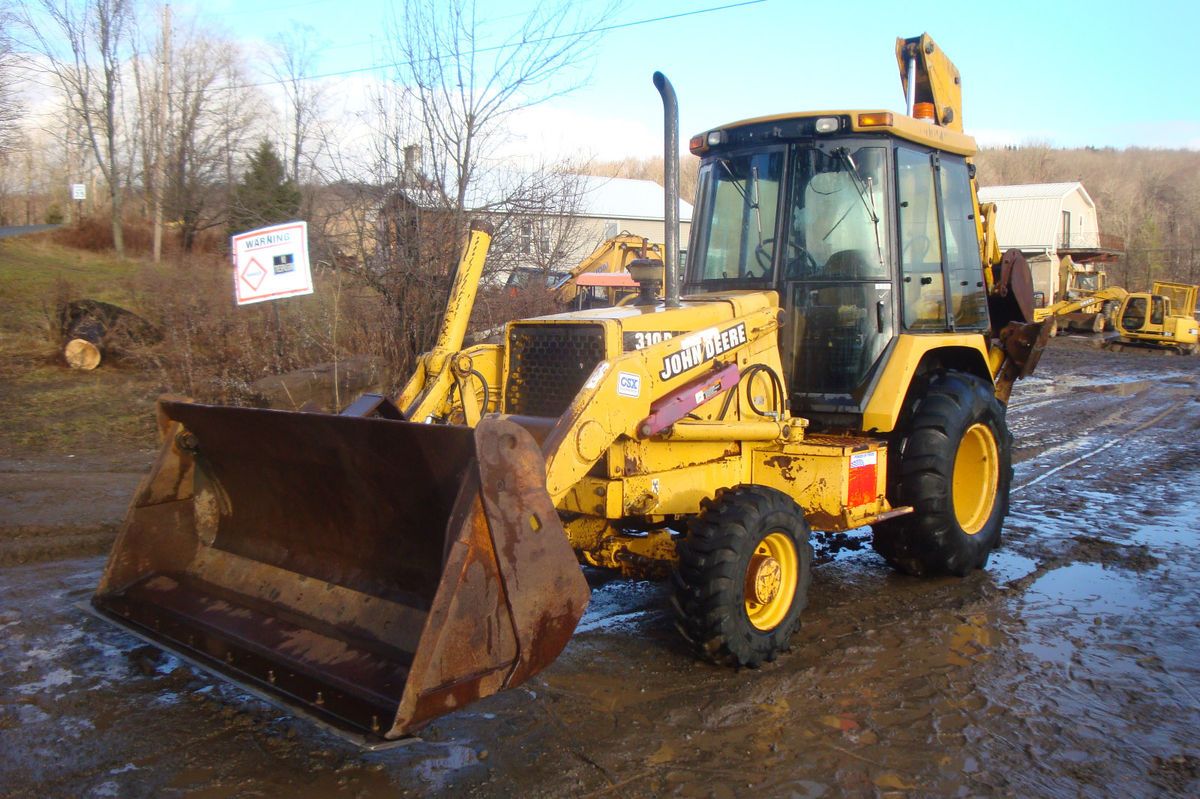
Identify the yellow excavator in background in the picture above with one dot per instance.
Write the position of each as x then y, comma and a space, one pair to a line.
1083, 306
601, 279
1149, 320
840, 354
1163, 318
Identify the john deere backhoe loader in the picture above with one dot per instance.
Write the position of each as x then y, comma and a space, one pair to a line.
841, 354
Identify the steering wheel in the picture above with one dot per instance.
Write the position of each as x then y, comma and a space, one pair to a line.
796, 255
763, 255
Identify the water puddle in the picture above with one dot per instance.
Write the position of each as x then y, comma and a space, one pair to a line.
1121, 388
439, 768
1064, 606
1006, 566
621, 604
1177, 529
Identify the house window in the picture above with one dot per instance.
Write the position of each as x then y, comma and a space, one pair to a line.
526, 237
1066, 228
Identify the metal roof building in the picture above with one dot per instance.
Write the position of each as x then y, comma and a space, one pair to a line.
624, 198
1050, 223
1030, 216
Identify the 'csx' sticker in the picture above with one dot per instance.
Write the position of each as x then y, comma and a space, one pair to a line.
702, 347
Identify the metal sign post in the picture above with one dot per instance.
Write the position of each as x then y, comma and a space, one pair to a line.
78, 194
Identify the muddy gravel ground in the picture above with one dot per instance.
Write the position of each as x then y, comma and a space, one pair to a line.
1069, 667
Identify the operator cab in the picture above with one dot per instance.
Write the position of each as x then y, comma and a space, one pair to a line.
1145, 313
865, 230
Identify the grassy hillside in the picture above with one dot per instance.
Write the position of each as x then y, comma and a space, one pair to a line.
46, 407
34, 271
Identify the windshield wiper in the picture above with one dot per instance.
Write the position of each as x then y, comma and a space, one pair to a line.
864, 193
751, 201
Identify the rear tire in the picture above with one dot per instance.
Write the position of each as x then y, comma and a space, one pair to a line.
743, 576
955, 469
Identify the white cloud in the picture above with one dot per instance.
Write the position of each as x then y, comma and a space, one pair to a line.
551, 132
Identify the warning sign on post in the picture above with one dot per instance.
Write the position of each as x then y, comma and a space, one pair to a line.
271, 263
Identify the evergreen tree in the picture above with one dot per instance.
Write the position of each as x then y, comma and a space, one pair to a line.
264, 196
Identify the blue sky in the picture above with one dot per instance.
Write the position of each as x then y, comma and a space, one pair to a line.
1069, 73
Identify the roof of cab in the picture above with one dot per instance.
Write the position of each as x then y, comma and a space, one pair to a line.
904, 127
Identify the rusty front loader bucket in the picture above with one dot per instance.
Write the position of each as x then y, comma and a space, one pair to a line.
372, 573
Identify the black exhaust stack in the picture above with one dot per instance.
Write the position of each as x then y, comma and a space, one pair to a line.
671, 189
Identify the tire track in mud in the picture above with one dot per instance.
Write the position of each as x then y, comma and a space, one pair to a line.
1091, 417
1094, 448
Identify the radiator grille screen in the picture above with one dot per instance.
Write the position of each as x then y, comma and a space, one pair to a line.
548, 365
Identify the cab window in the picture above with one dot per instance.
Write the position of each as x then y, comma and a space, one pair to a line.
1134, 316
968, 297
836, 225
739, 197
1157, 310
922, 281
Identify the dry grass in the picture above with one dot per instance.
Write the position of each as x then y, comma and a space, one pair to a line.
210, 350
51, 409
34, 270
95, 235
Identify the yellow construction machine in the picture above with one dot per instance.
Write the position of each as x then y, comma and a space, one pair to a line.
1163, 318
1150, 320
601, 279
840, 355
1100, 303
1082, 281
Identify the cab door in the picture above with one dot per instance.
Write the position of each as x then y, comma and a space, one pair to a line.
1144, 314
835, 279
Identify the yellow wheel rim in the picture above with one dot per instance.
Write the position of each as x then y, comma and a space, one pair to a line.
976, 477
771, 579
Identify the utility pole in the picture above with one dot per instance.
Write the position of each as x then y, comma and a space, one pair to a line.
160, 167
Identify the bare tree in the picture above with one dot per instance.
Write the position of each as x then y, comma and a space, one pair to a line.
209, 118
296, 53
440, 126
96, 35
461, 90
10, 107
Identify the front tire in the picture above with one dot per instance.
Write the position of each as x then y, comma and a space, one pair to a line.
743, 576
955, 470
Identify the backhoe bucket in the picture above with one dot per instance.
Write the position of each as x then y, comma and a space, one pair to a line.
373, 573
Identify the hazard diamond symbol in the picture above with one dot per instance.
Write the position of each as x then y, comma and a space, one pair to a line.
254, 274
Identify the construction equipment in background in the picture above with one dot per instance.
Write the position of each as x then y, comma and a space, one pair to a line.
1163, 318
841, 357
601, 279
1082, 281
1100, 303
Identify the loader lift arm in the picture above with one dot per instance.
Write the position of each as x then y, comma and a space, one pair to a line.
1064, 307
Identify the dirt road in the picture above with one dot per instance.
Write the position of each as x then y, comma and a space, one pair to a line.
1068, 667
